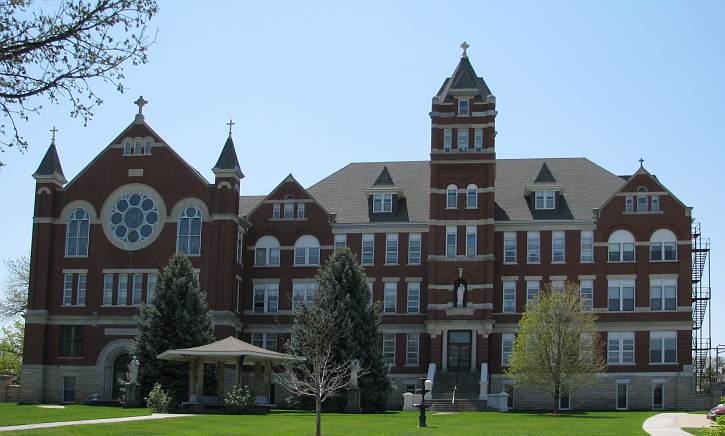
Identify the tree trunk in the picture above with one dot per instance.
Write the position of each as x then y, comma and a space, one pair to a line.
318, 411
556, 400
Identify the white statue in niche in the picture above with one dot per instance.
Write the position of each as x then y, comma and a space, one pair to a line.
459, 295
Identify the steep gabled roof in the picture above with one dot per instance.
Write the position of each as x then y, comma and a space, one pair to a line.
228, 159
384, 179
246, 201
50, 165
463, 81
544, 175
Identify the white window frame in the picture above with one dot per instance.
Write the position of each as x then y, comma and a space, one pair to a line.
586, 246
303, 293
240, 245
371, 289
289, 211
533, 288
415, 248
368, 249
620, 243
629, 203
620, 285
80, 239
413, 297
270, 297
265, 340
660, 241
563, 395
545, 200
662, 288
300, 211
642, 200
81, 290
390, 298
269, 247
558, 253
190, 236
509, 297
107, 289
383, 202
478, 139
151, 283
447, 139
452, 197
471, 241
661, 338
122, 294
464, 107
533, 247
340, 240
618, 348
655, 203
412, 349
509, 247
507, 346
391, 249
276, 211
389, 349
626, 396
462, 140
451, 241
136, 289
586, 290
472, 196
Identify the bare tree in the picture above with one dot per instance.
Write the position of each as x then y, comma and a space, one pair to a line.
55, 52
14, 302
317, 374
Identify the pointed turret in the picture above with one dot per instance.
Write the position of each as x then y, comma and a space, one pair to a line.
463, 82
49, 169
228, 165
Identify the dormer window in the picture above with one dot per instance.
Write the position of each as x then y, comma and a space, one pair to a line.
544, 200
383, 202
137, 147
463, 108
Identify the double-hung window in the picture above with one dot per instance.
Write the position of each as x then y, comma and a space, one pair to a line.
533, 245
544, 200
471, 197
383, 202
107, 289
629, 204
300, 211
412, 346
447, 139
532, 290
389, 349
507, 345
67, 289
368, 249
620, 348
414, 248
266, 297
413, 297
463, 140
390, 297
662, 347
451, 197
303, 294
268, 341
340, 241
620, 295
663, 251
266, 251
152, 279
558, 244
509, 247
71, 340
463, 107
136, 288
391, 249
642, 202
81, 292
471, 241
478, 139
587, 246
307, 251
663, 294
276, 211
620, 247
655, 203
451, 241
289, 211
509, 297
586, 289
122, 296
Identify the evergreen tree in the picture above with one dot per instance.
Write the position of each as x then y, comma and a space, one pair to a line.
343, 285
177, 318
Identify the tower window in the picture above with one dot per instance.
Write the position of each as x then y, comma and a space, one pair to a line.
463, 108
462, 139
447, 139
478, 139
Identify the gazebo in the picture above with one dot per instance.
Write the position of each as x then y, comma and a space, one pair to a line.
227, 351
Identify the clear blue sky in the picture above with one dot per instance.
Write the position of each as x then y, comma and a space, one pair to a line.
313, 87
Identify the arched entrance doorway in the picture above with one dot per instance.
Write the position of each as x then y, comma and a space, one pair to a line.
120, 376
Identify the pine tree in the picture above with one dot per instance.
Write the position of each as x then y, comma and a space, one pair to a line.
343, 284
177, 318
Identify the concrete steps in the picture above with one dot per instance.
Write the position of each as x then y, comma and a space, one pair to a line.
466, 393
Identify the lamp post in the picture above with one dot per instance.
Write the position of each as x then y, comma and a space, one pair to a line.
422, 406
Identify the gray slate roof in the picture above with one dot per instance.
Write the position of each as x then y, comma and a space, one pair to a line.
228, 158
344, 193
50, 165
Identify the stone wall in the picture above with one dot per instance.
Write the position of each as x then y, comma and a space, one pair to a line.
44, 383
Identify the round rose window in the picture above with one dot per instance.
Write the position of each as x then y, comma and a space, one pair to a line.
134, 218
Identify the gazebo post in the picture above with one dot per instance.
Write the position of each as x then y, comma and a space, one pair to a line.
220, 367
258, 378
199, 380
238, 371
266, 376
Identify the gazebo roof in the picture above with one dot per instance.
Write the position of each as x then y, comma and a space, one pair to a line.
229, 348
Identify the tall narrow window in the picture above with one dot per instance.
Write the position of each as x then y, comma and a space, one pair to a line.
122, 294
136, 288
414, 248
655, 203
151, 287
307, 251
663, 294
289, 211
276, 211
533, 245
620, 246
413, 297
472, 197
629, 204
509, 297
81, 293
300, 211
586, 288
507, 345
451, 197
463, 140
76, 238
371, 288
620, 295
71, 340
107, 289
478, 139
451, 241
641, 199
368, 249
509, 247
663, 246
564, 401
471, 241
587, 246
390, 298
240, 245
463, 107
447, 139
532, 290
412, 343
622, 396
658, 397
340, 241
389, 349
558, 243
189, 232
67, 289
663, 347
266, 251
391, 249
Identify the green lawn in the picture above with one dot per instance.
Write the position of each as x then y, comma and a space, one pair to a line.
695, 431
14, 414
280, 423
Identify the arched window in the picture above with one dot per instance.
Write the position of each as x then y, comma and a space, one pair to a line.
451, 197
188, 240
472, 196
307, 250
641, 199
266, 251
76, 236
621, 246
663, 245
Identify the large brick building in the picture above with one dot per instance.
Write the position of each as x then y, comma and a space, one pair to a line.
453, 248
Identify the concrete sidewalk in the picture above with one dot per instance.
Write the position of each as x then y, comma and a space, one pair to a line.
670, 424
91, 421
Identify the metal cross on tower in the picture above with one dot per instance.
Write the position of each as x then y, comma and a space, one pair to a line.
53, 131
464, 46
140, 103
230, 124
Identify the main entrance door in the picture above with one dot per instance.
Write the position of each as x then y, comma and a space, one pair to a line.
459, 351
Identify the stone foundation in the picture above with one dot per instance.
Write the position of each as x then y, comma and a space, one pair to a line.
44, 383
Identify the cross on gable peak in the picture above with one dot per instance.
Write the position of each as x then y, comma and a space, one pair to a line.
53, 131
464, 46
140, 102
230, 124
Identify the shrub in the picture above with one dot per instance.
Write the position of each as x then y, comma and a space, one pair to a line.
239, 398
718, 430
159, 400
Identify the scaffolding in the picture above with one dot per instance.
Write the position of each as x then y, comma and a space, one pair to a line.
701, 315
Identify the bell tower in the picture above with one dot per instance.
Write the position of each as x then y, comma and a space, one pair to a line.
461, 228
